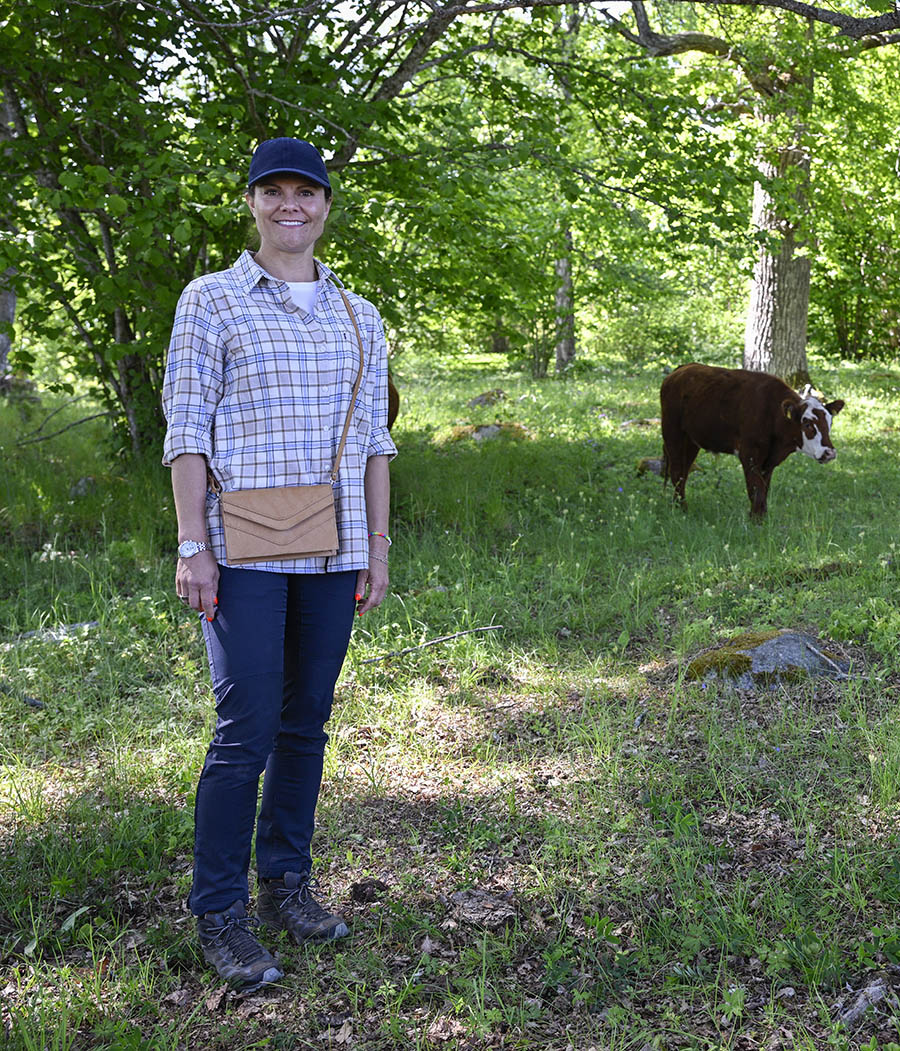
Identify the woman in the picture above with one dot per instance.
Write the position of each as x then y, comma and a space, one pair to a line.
260, 373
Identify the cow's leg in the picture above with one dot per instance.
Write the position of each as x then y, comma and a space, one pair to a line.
757, 481
680, 455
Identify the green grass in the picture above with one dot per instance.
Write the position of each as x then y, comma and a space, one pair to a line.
671, 866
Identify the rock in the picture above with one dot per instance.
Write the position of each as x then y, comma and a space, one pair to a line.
866, 998
653, 464
652, 421
768, 659
490, 397
489, 430
83, 487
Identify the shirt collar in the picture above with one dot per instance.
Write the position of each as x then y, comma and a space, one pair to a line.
249, 273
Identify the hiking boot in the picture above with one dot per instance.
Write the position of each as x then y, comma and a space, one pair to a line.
288, 905
229, 944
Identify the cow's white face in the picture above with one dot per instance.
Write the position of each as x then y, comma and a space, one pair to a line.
815, 427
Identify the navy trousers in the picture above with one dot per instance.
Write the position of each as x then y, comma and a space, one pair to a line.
275, 651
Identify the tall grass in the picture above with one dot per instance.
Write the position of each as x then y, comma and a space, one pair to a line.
672, 864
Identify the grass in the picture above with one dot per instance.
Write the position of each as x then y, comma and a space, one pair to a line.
543, 835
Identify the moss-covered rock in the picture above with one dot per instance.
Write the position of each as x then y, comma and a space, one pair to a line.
725, 662
766, 659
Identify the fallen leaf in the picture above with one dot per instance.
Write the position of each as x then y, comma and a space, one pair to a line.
214, 1000
445, 1028
178, 998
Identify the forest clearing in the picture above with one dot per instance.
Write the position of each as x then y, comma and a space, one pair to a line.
544, 835
548, 828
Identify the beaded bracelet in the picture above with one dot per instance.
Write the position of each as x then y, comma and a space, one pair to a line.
383, 536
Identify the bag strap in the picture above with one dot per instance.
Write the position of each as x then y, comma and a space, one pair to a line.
214, 482
359, 375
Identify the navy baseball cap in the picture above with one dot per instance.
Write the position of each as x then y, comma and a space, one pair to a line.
287, 155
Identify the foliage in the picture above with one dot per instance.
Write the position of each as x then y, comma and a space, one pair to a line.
855, 308
465, 146
675, 865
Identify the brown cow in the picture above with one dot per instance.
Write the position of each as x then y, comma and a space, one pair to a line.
393, 402
751, 414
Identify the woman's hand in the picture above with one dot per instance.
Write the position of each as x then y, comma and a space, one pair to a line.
196, 582
376, 579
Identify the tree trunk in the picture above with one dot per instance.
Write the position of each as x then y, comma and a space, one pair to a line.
775, 334
139, 392
499, 339
7, 317
565, 309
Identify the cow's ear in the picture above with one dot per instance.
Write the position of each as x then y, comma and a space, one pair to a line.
834, 407
791, 410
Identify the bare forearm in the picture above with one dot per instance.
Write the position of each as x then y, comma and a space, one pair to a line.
189, 489
197, 576
378, 493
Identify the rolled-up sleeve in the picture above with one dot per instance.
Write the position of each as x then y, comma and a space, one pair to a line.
380, 441
194, 379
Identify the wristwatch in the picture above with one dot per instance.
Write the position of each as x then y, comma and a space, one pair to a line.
189, 548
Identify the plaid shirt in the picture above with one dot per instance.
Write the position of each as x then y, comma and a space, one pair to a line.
261, 389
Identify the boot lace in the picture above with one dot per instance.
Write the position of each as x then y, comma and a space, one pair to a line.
302, 899
237, 937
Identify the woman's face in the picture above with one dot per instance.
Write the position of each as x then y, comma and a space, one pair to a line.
290, 213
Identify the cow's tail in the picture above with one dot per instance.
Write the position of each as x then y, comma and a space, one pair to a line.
666, 477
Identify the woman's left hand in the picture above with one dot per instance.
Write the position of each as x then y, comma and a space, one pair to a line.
371, 586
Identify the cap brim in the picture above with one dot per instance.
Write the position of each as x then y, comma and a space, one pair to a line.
290, 171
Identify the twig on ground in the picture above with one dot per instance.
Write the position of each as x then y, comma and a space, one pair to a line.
431, 642
51, 634
31, 701
839, 672
865, 999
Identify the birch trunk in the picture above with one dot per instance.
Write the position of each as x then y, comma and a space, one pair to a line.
565, 309
775, 333
7, 317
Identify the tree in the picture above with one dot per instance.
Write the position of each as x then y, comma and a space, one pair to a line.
129, 126
777, 63
855, 304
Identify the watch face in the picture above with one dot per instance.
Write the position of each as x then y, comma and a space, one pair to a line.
188, 548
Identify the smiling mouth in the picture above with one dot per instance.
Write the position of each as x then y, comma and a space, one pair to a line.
290, 222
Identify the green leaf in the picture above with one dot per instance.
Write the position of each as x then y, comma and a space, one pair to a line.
69, 921
97, 172
116, 205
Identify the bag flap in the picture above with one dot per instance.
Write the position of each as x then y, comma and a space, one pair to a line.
277, 508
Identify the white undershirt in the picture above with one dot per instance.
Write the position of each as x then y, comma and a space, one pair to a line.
303, 294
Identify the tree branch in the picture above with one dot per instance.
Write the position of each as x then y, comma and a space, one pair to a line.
392, 86
431, 642
50, 415
657, 45
62, 430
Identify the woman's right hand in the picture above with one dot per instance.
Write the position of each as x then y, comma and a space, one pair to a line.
197, 581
